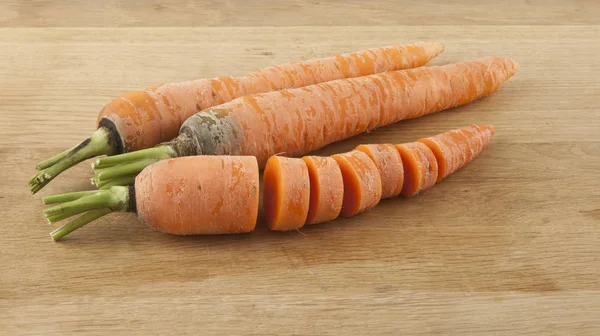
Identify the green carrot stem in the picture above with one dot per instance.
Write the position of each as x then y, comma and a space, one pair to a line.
121, 181
115, 198
159, 153
66, 197
79, 222
97, 144
123, 170
51, 161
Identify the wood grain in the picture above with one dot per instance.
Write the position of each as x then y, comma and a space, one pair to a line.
508, 245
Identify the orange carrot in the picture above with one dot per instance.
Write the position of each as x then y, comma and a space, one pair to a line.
286, 194
362, 184
142, 119
456, 148
326, 189
360, 175
184, 196
297, 121
388, 161
420, 168
214, 195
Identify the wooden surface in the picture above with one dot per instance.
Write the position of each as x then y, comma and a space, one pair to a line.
509, 245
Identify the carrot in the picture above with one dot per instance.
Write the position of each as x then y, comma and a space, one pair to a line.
362, 184
389, 163
456, 148
142, 119
418, 163
219, 194
287, 186
420, 168
184, 196
297, 121
326, 189
288, 199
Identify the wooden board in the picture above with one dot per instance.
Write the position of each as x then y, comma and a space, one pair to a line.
508, 245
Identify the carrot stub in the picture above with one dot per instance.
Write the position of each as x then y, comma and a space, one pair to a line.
199, 195
388, 161
286, 193
456, 148
420, 167
326, 189
362, 184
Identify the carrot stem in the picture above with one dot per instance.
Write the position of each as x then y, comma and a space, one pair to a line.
79, 222
94, 204
115, 198
97, 144
160, 152
122, 169
66, 197
51, 161
121, 181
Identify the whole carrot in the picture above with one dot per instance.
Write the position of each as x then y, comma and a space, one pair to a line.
297, 121
142, 119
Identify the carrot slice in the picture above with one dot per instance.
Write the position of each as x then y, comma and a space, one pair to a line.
326, 189
420, 168
456, 148
286, 193
388, 161
362, 184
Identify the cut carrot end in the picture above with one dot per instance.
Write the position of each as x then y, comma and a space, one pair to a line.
326, 189
420, 168
362, 184
456, 148
286, 193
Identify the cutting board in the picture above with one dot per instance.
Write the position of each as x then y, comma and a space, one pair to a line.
508, 245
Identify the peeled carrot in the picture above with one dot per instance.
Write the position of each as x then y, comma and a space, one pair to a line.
420, 168
389, 163
184, 196
362, 184
286, 193
326, 189
297, 121
456, 148
142, 119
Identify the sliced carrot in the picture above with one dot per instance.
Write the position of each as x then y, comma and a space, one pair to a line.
286, 193
326, 189
362, 184
420, 168
388, 161
456, 148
